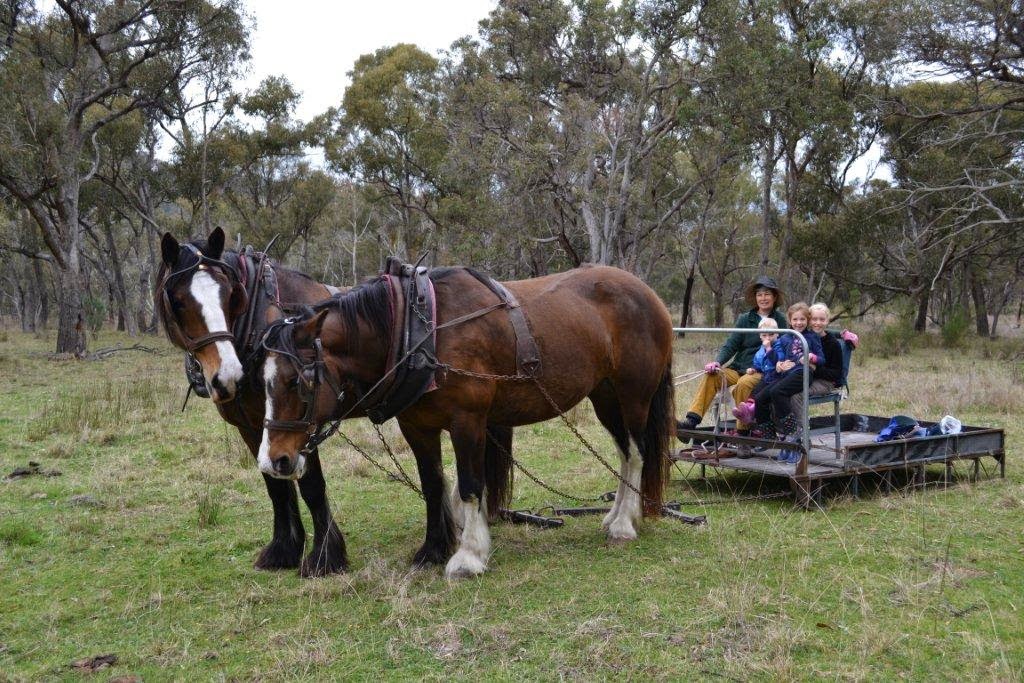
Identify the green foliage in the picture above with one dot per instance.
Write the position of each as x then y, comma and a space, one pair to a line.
955, 329
209, 508
95, 312
895, 339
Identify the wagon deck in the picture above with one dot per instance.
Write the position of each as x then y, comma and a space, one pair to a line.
858, 455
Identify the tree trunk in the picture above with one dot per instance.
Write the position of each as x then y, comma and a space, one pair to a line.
70, 312
124, 317
768, 173
153, 268
1008, 290
980, 306
921, 321
42, 309
684, 317
785, 239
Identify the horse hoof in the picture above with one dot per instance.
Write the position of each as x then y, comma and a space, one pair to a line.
429, 557
278, 556
464, 566
621, 534
311, 568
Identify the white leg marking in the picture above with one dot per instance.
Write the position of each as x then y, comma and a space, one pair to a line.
475, 545
455, 501
206, 292
619, 494
622, 527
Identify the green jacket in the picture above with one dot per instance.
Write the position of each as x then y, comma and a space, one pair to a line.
744, 346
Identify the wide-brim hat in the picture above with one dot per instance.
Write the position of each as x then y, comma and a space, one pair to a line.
764, 282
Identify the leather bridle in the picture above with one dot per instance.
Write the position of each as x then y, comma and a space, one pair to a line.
171, 322
310, 377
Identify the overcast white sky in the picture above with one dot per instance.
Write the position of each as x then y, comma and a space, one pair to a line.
314, 43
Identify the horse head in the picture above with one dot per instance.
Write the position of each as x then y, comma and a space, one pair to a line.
303, 387
199, 297
318, 366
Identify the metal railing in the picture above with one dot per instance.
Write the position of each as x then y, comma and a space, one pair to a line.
801, 467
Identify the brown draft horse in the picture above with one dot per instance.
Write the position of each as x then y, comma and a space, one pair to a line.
602, 334
202, 300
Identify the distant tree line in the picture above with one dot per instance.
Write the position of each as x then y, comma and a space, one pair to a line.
694, 144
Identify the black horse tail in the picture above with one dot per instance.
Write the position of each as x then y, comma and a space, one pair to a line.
654, 448
498, 469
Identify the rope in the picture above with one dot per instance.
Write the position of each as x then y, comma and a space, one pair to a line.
686, 377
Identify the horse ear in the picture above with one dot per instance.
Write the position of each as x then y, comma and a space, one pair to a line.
215, 243
169, 249
309, 330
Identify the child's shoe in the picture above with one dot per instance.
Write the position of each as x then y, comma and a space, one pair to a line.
790, 455
766, 431
744, 412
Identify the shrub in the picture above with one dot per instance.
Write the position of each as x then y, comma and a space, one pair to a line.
95, 313
895, 339
954, 330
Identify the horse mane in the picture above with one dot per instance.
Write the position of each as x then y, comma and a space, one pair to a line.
369, 301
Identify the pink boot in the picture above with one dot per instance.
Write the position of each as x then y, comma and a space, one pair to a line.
744, 412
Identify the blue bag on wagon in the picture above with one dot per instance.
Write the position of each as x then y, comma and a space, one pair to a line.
899, 426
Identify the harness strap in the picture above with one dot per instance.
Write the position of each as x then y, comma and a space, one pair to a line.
196, 344
527, 353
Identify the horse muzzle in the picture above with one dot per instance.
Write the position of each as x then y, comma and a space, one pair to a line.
222, 390
286, 467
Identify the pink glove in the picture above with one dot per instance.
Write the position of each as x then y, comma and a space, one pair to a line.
813, 357
712, 367
850, 337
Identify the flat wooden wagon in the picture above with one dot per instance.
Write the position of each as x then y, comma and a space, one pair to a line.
857, 454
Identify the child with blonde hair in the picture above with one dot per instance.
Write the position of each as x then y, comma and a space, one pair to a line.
764, 362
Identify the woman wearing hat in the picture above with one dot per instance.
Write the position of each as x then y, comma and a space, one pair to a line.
764, 296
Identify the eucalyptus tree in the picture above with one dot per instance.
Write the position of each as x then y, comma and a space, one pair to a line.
959, 182
65, 74
389, 138
268, 186
585, 108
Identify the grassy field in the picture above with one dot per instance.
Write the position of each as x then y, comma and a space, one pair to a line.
142, 548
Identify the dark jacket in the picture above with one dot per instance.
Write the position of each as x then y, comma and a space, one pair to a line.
832, 368
744, 346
